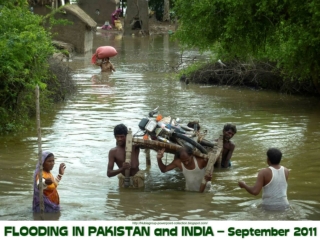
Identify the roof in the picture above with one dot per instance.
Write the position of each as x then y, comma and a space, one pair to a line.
82, 15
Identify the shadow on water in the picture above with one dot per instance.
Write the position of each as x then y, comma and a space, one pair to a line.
80, 133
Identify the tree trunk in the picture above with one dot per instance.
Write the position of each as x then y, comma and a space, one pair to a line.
137, 17
166, 10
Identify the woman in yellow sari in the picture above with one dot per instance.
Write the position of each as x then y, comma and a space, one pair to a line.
50, 184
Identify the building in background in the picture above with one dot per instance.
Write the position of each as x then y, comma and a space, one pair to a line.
99, 10
80, 33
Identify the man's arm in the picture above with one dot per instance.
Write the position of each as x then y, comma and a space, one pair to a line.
202, 164
111, 172
165, 168
286, 172
254, 190
112, 67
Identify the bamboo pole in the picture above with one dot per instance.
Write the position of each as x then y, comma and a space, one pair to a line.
148, 160
213, 156
39, 149
128, 157
170, 147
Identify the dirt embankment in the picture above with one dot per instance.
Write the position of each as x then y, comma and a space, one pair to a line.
254, 74
157, 27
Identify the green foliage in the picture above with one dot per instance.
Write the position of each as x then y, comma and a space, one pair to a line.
286, 32
25, 46
192, 68
65, 52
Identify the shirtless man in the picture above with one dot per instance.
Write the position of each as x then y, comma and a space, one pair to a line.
105, 65
273, 181
193, 168
117, 155
229, 130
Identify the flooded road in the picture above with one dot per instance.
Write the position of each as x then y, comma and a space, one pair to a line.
80, 133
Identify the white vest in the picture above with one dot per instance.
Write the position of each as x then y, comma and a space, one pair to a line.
274, 196
194, 177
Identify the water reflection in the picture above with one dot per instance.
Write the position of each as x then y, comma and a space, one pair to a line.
80, 133
46, 216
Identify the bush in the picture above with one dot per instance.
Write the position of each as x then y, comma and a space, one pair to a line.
25, 47
283, 32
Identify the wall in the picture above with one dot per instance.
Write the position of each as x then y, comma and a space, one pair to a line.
133, 11
76, 34
106, 8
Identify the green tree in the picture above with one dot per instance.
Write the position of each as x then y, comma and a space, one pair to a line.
25, 46
286, 32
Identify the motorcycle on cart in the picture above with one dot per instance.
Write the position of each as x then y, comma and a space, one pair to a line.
171, 131
157, 132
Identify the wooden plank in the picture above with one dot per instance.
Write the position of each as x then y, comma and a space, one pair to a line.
213, 157
148, 160
128, 157
39, 150
170, 147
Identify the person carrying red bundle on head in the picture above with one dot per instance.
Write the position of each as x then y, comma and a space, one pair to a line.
105, 65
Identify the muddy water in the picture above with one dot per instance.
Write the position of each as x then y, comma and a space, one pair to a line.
79, 132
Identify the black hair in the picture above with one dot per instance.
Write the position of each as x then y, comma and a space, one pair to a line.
193, 124
120, 129
274, 155
186, 149
231, 127
49, 155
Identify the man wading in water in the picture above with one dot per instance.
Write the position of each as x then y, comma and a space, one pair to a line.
229, 130
117, 156
105, 65
273, 180
193, 168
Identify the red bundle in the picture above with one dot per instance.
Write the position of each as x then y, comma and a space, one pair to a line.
104, 52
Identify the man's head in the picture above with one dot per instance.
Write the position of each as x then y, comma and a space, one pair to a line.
229, 130
120, 132
185, 154
274, 155
194, 124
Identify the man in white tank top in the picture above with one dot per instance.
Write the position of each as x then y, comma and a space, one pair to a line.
273, 181
193, 168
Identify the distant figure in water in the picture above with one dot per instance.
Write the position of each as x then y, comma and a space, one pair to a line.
273, 180
50, 184
115, 16
105, 65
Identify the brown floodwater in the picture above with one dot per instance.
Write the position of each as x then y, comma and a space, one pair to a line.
80, 133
